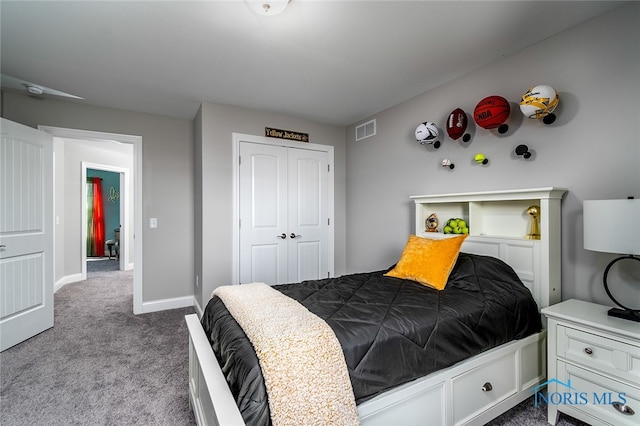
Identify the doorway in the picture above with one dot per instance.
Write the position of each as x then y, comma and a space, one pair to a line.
130, 243
113, 182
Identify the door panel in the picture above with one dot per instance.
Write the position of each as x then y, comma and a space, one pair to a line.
308, 261
308, 214
263, 213
264, 264
26, 233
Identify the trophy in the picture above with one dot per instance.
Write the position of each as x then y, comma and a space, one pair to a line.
534, 231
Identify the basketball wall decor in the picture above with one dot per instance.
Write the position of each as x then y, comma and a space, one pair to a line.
492, 112
457, 125
539, 102
427, 133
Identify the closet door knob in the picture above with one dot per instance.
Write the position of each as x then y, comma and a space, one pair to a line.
293, 235
487, 387
282, 236
588, 351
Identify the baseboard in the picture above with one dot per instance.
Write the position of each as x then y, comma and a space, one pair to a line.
66, 280
166, 304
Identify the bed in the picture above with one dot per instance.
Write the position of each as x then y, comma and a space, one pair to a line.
468, 352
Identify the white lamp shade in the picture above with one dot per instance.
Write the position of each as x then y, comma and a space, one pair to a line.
612, 226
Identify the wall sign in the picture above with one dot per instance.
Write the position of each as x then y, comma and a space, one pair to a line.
286, 134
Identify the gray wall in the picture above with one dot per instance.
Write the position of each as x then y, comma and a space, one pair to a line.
215, 125
593, 149
167, 182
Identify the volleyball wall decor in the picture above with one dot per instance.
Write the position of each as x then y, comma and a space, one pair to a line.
539, 102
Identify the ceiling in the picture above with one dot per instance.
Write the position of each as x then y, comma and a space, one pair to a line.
333, 62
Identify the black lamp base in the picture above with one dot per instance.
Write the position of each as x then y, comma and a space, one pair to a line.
625, 314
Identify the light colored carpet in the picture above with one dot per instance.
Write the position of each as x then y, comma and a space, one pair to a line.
99, 364
102, 365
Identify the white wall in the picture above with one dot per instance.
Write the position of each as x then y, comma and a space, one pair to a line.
593, 149
167, 183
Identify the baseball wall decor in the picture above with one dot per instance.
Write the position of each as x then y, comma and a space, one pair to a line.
447, 163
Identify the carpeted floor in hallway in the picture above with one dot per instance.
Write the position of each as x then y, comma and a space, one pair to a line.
99, 364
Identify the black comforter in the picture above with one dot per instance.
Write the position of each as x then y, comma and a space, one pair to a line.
391, 330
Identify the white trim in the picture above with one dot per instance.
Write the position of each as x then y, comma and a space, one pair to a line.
165, 304
136, 141
235, 246
67, 279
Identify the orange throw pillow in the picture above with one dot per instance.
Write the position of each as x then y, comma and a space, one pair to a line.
428, 261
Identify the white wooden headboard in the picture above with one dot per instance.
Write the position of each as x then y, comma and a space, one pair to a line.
498, 226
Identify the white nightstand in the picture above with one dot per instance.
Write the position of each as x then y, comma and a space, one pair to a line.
593, 365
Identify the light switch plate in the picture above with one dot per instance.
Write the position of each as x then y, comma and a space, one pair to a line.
153, 222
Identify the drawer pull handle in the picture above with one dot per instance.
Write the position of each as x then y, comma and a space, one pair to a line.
623, 408
487, 387
588, 351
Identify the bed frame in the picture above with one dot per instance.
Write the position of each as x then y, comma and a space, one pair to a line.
473, 391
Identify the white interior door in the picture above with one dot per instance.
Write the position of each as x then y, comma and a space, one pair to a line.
26, 233
308, 217
283, 211
263, 213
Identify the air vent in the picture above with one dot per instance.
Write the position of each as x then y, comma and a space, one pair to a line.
366, 130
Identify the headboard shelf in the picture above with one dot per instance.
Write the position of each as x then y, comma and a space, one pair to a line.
498, 226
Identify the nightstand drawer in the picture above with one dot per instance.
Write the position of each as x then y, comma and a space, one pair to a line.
600, 353
478, 389
598, 395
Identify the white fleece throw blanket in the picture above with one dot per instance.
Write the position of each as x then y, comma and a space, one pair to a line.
304, 370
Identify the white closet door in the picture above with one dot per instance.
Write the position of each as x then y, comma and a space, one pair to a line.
283, 205
308, 217
26, 233
263, 214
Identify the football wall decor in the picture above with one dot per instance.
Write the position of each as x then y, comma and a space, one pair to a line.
492, 112
457, 125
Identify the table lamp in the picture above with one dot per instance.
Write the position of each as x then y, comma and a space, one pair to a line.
613, 226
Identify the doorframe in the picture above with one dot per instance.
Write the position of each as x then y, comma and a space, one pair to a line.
124, 212
136, 141
235, 245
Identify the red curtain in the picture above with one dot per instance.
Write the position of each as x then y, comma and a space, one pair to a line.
96, 220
